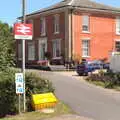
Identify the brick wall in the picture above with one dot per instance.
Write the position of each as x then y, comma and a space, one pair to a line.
102, 35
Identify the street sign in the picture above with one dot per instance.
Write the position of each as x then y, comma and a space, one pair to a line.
23, 31
19, 83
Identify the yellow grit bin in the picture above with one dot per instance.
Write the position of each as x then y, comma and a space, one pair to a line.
45, 100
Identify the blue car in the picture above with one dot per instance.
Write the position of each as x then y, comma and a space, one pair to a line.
85, 68
89, 66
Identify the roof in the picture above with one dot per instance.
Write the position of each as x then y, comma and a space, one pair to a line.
87, 4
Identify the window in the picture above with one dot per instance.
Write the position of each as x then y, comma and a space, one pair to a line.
118, 25
56, 24
117, 46
56, 48
43, 46
85, 48
19, 51
43, 26
31, 51
85, 23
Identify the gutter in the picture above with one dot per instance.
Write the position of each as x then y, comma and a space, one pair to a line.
44, 11
69, 6
96, 10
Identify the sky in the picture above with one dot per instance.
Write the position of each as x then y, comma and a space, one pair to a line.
11, 9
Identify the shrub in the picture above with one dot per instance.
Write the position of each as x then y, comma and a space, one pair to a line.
109, 79
35, 85
8, 98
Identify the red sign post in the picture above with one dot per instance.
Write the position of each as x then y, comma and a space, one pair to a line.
23, 31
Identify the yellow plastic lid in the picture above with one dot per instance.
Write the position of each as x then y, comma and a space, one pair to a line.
43, 98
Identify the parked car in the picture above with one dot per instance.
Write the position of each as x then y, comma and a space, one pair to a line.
106, 66
89, 66
84, 68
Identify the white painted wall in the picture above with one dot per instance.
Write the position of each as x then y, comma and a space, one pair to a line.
115, 63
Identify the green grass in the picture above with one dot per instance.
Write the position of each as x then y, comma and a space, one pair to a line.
97, 83
116, 88
60, 109
102, 84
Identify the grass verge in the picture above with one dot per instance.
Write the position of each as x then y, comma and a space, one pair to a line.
60, 109
104, 85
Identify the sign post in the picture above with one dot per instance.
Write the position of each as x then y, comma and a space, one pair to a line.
23, 32
19, 86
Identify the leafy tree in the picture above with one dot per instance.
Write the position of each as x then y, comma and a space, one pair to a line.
7, 46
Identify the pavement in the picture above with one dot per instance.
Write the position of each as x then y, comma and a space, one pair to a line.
57, 67
69, 117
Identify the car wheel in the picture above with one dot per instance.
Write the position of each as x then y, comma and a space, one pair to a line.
86, 74
80, 74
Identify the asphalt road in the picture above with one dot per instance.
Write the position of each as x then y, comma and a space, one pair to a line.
85, 99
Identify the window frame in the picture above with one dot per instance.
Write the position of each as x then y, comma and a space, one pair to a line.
86, 48
118, 25
117, 49
20, 51
86, 24
56, 24
56, 44
31, 52
43, 26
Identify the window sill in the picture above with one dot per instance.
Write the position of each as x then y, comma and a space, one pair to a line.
43, 34
19, 59
56, 32
86, 32
86, 56
117, 33
56, 57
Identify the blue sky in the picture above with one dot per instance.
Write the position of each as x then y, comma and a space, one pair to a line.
11, 9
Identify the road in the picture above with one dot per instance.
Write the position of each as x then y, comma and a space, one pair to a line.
85, 99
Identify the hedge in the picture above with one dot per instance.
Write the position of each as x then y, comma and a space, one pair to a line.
9, 99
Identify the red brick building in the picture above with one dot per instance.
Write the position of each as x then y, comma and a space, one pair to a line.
73, 28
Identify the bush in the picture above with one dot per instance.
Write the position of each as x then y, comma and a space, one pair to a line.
109, 79
8, 98
35, 85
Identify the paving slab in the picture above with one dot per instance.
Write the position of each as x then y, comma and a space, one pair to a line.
69, 117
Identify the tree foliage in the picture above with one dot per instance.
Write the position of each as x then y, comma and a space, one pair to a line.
35, 84
7, 46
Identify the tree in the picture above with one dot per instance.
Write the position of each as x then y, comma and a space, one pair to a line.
7, 46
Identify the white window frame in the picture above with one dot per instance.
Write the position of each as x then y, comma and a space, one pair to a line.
56, 23
43, 26
31, 51
118, 25
86, 23
86, 48
19, 51
56, 46
117, 46
42, 41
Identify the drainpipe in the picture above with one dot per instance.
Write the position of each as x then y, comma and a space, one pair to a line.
71, 34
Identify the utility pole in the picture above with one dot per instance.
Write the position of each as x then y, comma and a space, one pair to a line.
23, 52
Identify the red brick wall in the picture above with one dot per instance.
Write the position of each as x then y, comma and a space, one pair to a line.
102, 35
50, 30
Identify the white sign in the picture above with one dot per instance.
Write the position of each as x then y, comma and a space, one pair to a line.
19, 83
